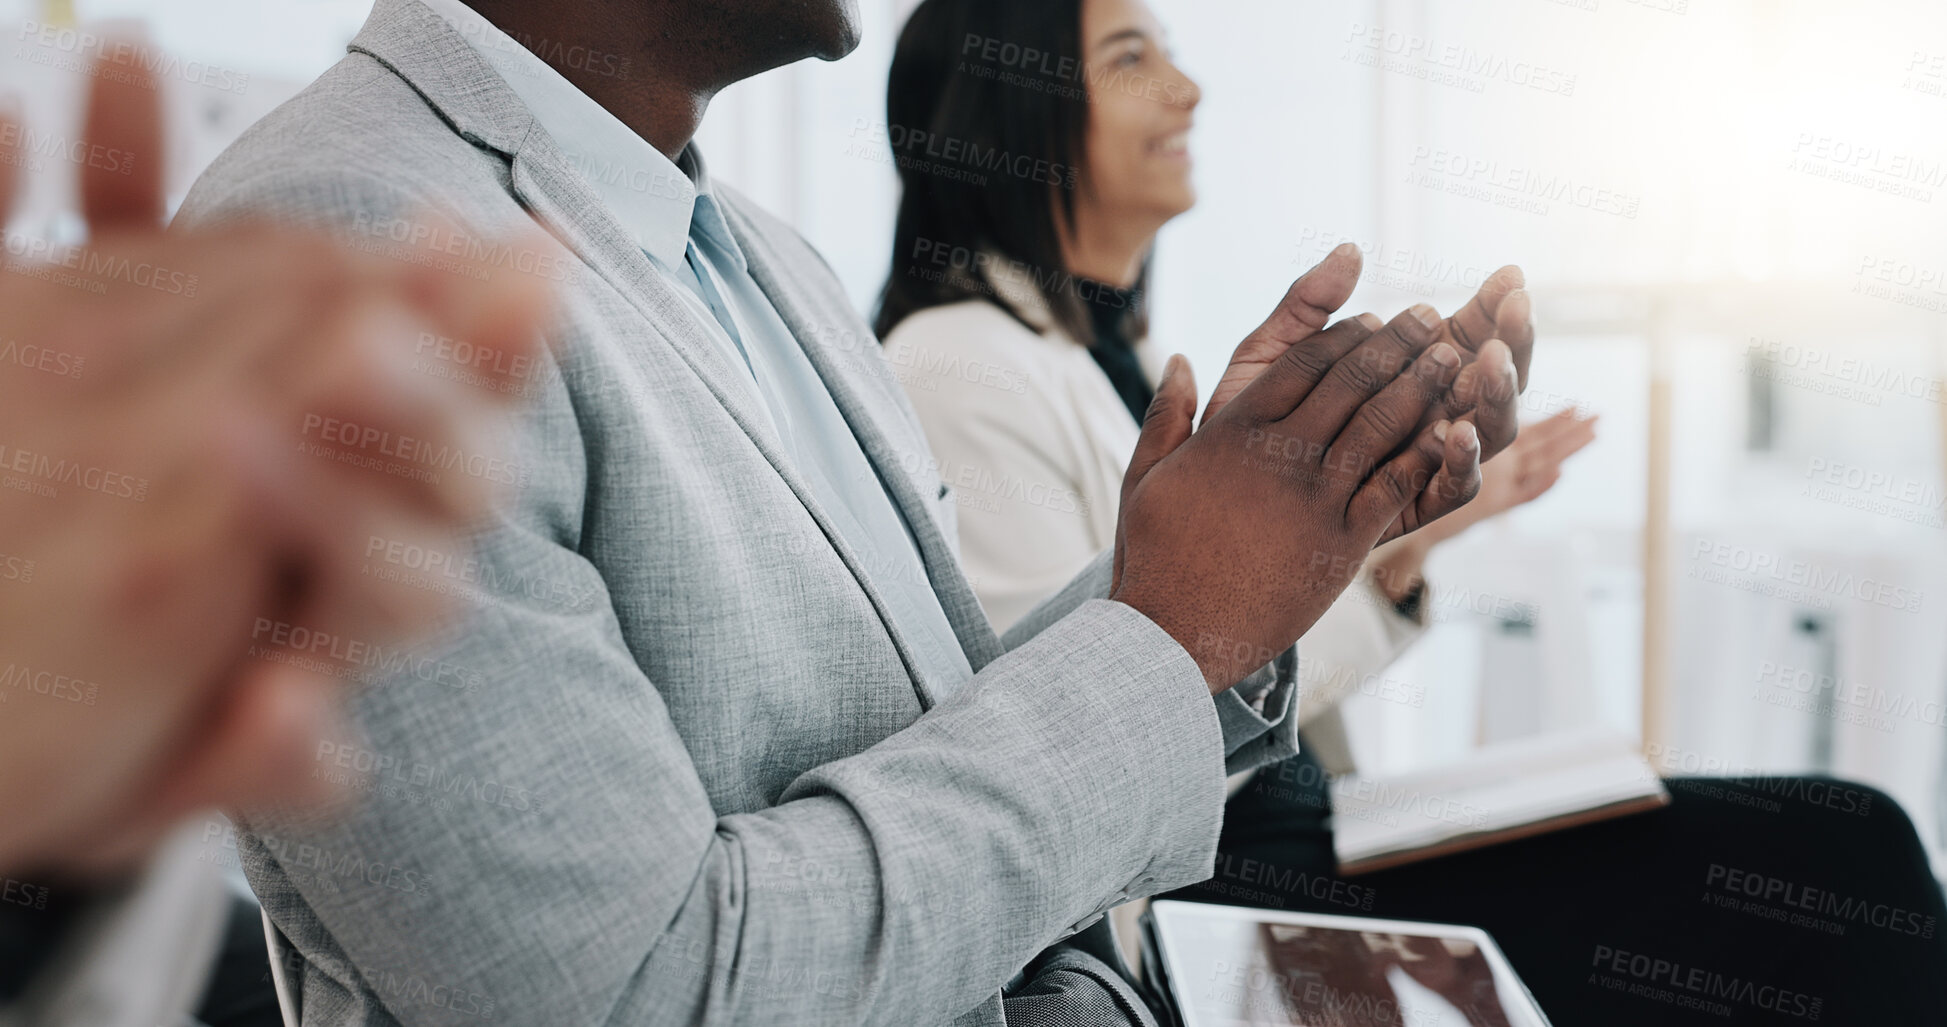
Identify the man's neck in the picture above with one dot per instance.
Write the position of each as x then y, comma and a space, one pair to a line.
657, 81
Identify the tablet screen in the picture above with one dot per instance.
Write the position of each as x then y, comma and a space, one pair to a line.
1234, 967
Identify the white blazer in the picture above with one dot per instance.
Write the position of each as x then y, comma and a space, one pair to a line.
1033, 441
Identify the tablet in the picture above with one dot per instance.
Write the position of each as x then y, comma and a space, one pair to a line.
1228, 966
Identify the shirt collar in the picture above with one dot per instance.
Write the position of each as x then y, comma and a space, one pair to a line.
652, 198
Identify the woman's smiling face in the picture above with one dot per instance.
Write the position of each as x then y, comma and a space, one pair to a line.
1141, 106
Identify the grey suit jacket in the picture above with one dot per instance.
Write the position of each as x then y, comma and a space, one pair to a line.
692, 774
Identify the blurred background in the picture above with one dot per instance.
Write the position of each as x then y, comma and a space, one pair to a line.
1733, 217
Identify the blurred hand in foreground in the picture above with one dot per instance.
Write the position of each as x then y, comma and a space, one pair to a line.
176, 473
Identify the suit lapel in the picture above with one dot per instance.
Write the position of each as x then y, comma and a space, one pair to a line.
970, 623
565, 205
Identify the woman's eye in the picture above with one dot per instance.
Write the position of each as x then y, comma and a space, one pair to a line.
1129, 59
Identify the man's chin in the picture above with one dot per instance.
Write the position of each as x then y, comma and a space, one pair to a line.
845, 32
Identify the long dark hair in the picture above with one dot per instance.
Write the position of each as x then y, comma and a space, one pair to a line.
986, 115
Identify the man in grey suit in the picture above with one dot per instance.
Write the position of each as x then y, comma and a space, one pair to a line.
739, 744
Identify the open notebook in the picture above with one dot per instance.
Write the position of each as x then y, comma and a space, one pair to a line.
1499, 794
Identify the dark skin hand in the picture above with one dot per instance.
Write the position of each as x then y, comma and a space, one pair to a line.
1483, 395
1500, 310
1237, 537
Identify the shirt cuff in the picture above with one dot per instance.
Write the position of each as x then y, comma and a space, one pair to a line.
1259, 717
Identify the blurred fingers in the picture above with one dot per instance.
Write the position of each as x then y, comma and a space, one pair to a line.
1569, 436
489, 322
252, 749
260, 744
1538, 484
326, 534
12, 153
123, 188
1514, 325
1475, 322
1552, 426
367, 411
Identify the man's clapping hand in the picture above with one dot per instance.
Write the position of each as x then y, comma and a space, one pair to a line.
132, 588
1320, 443
1499, 310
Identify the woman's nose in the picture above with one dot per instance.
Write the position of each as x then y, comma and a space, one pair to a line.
1189, 94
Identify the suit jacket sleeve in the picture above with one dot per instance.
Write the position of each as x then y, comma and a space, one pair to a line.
1259, 716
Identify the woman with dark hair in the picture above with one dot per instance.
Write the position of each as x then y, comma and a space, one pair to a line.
1041, 145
